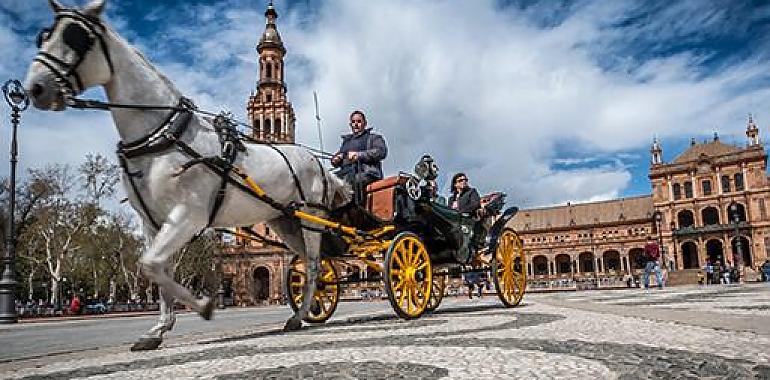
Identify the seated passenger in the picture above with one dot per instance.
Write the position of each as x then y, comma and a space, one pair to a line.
360, 156
464, 198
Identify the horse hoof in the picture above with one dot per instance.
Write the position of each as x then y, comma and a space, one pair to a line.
146, 344
293, 324
208, 310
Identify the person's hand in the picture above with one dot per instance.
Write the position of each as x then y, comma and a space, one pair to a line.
337, 159
352, 156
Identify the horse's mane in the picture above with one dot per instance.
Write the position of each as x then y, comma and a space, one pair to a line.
146, 62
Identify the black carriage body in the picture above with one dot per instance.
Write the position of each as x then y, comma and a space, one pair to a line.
449, 236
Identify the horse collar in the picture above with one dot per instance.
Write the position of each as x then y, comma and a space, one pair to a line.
162, 137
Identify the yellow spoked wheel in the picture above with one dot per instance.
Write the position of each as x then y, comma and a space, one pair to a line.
436, 292
327, 293
408, 276
508, 266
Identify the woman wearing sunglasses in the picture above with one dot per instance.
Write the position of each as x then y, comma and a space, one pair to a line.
464, 198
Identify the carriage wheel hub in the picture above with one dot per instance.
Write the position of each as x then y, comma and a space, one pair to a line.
410, 272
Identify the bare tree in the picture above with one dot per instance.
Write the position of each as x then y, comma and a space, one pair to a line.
99, 178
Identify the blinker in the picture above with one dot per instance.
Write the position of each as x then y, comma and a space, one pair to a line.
77, 38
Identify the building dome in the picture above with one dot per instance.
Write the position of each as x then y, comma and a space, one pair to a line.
270, 38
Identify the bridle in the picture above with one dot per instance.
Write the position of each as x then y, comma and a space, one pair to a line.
81, 40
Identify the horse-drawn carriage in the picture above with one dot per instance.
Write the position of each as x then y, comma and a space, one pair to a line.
183, 172
415, 244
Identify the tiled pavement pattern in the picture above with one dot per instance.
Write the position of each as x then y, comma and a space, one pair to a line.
551, 336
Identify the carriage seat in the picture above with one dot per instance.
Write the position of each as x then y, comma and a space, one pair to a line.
492, 203
380, 196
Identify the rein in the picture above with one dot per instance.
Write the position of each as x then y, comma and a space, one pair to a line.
77, 103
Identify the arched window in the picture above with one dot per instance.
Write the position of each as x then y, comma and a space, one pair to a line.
738, 181
706, 185
278, 126
269, 70
685, 219
688, 189
710, 216
677, 191
540, 264
268, 127
725, 183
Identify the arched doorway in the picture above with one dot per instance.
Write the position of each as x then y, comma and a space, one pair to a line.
611, 261
586, 262
715, 251
690, 255
685, 219
540, 265
710, 216
261, 288
563, 263
745, 251
634, 256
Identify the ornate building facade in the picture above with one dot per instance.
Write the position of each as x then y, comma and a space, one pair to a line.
708, 204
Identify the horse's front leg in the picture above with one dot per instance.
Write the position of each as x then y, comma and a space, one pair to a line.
155, 263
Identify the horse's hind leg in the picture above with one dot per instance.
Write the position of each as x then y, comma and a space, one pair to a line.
307, 244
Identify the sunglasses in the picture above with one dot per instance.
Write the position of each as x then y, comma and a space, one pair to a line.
356, 122
461, 180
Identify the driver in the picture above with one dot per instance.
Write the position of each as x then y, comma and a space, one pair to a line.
361, 154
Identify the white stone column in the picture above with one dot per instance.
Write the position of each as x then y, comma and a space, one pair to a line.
285, 124
719, 181
670, 188
261, 130
694, 185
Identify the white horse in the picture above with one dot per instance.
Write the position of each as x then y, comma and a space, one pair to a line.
80, 51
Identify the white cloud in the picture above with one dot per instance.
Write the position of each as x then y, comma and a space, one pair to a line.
488, 91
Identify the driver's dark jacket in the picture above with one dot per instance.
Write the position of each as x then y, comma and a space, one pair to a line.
371, 150
469, 201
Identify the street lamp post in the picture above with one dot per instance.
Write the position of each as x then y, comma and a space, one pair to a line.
17, 99
658, 220
738, 252
675, 243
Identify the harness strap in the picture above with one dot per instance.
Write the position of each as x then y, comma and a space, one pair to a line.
325, 196
291, 170
135, 189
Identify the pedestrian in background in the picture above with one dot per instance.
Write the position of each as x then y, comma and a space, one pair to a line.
709, 269
652, 255
765, 269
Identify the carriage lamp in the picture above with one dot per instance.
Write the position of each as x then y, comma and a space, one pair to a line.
18, 100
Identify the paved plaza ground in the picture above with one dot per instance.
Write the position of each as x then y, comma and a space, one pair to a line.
720, 332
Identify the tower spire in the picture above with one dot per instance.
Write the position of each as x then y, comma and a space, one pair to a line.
656, 151
269, 109
752, 132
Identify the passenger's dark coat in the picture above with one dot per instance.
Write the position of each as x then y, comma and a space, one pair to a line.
469, 201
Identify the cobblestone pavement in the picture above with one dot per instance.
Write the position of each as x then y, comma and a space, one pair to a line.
627, 334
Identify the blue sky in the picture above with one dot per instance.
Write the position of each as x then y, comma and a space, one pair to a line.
550, 101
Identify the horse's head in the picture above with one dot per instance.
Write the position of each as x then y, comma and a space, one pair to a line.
73, 56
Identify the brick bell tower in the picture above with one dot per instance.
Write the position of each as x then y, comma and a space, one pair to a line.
270, 111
